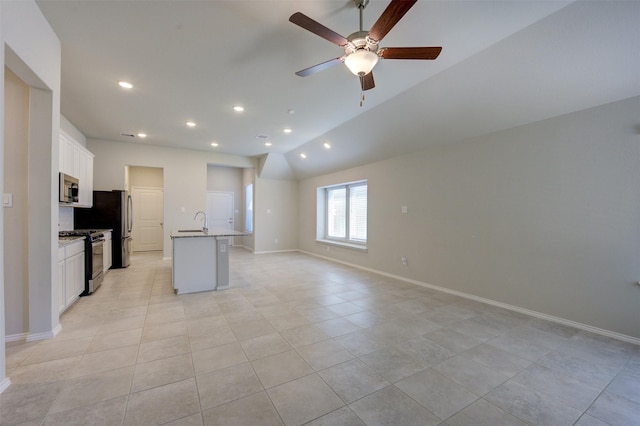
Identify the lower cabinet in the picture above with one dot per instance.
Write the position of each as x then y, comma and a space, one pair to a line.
107, 257
71, 274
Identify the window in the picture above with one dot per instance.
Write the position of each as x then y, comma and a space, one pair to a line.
248, 203
344, 213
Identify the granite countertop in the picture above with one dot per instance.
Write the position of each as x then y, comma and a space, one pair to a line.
65, 241
190, 233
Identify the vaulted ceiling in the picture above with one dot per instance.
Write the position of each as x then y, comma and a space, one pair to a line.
503, 64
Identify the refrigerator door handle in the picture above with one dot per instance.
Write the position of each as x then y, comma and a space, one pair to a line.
130, 213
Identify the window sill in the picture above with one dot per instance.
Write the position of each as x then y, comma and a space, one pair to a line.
352, 246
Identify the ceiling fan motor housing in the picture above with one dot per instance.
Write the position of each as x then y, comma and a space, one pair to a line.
360, 41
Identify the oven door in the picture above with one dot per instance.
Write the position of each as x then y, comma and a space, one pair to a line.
97, 251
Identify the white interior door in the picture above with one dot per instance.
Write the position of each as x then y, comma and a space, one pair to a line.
220, 210
148, 218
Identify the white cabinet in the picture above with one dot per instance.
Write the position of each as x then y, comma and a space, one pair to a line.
77, 161
62, 303
107, 256
70, 274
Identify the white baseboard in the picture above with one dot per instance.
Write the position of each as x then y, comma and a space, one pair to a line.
275, 251
16, 337
559, 320
32, 337
4, 384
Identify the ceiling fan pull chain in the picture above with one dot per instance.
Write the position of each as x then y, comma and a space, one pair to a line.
362, 99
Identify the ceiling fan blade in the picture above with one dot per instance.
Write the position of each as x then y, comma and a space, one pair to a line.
410, 52
320, 67
317, 28
391, 15
366, 81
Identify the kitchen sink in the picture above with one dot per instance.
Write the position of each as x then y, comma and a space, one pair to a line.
190, 230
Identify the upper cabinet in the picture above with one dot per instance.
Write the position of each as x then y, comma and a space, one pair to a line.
77, 161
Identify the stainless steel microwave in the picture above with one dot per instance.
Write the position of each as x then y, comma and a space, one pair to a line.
69, 187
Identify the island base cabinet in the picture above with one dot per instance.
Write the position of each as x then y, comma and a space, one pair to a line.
194, 265
222, 262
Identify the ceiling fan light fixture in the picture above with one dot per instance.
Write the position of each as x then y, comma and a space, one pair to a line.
361, 62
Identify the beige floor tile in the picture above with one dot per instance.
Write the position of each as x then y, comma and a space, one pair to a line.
227, 385
353, 380
110, 359
163, 331
280, 368
391, 406
163, 348
161, 372
105, 413
290, 315
162, 404
263, 346
118, 339
87, 390
305, 335
341, 417
292, 399
256, 409
29, 402
208, 360
440, 395
324, 354
58, 349
44, 372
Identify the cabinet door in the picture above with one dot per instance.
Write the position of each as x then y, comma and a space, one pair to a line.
74, 278
79, 274
68, 155
61, 283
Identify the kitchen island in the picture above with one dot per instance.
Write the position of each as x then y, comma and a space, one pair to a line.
201, 259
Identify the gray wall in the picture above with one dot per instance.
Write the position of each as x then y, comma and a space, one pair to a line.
544, 217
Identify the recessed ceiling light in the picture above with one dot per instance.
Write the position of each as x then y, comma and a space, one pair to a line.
238, 108
303, 155
287, 130
190, 124
268, 144
142, 135
327, 145
214, 144
125, 84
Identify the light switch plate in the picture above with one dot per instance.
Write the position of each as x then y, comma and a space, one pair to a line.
7, 200
404, 209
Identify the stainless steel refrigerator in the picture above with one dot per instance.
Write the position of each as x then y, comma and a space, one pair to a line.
111, 210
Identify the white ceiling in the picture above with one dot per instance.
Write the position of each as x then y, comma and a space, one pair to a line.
503, 64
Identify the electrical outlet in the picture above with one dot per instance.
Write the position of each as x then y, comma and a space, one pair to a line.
404, 260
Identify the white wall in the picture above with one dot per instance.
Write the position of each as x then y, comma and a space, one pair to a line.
30, 48
184, 171
275, 213
543, 217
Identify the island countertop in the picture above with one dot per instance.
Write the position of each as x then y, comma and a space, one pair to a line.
190, 233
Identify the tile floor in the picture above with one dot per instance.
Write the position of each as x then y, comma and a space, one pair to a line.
300, 340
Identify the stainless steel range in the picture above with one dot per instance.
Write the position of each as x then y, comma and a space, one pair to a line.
93, 255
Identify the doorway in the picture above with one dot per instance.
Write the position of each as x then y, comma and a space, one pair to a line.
147, 192
148, 221
220, 211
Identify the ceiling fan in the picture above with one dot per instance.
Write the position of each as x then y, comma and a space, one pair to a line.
361, 49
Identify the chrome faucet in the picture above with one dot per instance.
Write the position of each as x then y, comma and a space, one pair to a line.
205, 227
